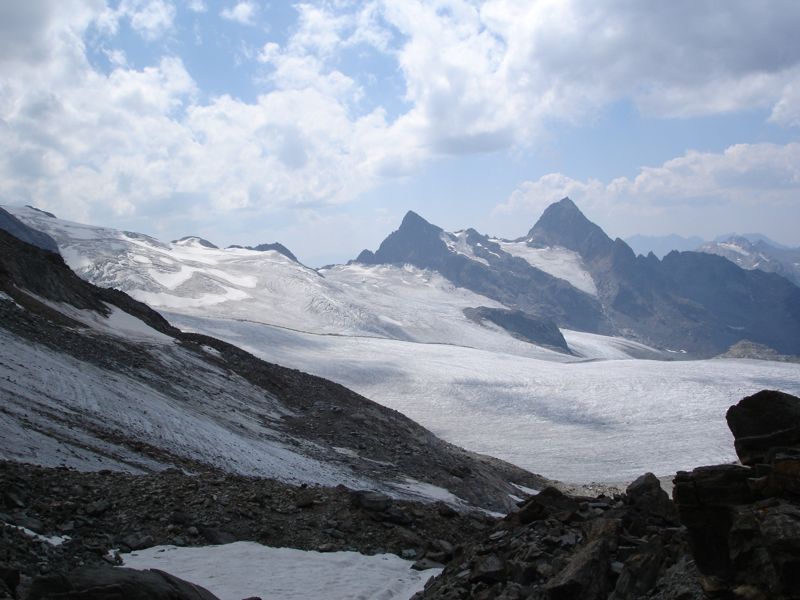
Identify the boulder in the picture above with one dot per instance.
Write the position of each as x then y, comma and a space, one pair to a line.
586, 576
646, 495
765, 420
116, 584
371, 501
743, 522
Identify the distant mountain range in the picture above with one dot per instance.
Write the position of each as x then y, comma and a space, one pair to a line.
758, 252
564, 274
661, 245
689, 301
748, 250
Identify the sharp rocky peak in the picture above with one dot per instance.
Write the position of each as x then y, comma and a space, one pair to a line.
563, 224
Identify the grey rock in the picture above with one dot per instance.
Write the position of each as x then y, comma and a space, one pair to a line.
371, 501
586, 576
116, 584
488, 569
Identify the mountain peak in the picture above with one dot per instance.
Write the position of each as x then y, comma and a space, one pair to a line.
416, 240
412, 221
563, 224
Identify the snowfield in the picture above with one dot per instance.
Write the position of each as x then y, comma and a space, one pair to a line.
580, 421
247, 569
558, 262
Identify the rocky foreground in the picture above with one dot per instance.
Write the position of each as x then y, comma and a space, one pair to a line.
733, 531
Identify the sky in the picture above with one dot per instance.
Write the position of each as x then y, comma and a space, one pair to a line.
320, 124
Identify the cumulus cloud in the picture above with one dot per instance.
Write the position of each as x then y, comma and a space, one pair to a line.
151, 19
477, 77
137, 141
198, 6
486, 76
243, 12
745, 178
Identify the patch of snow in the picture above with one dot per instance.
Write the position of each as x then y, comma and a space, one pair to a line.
526, 490
346, 452
558, 262
53, 540
427, 490
595, 346
126, 325
118, 322
457, 242
211, 351
734, 248
247, 569
6, 298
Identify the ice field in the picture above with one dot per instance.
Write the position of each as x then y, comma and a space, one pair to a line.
595, 420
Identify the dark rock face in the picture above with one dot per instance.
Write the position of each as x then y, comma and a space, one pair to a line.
199, 240
744, 521
19, 230
563, 224
106, 583
527, 327
276, 246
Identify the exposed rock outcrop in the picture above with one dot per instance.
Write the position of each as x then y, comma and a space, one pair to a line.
559, 547
744, 521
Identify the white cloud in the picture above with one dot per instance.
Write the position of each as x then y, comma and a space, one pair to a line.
758, 179
243, 12
787, 110
151, 19
491, 75
478, 77
137, 142
197, 6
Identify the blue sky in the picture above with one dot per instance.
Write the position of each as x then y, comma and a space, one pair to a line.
320, 124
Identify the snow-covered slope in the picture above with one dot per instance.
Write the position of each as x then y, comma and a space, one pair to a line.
558, 262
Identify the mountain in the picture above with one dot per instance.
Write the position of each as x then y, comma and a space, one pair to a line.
277, 247
267, 286
661, 245
478, 263
91, 378
751, 237
753, 251
689, 301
